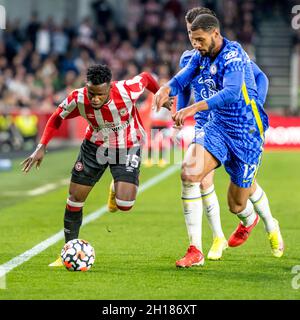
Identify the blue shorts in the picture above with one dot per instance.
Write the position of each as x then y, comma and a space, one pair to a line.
241, 160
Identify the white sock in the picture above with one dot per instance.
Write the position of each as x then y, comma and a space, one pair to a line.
247, 216
212, 211
261, 206
192, 207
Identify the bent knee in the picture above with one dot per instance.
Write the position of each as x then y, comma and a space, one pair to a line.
191, 174
187, 177
124, 205
236, 207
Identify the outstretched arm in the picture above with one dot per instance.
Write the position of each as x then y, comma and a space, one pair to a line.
37, 156
150, 83
232, 87
66, 110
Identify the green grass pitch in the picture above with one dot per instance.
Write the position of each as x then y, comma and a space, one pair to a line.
136, 251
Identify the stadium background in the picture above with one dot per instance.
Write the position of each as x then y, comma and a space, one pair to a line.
44, 52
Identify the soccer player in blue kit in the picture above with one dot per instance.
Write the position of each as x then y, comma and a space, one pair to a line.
233, 136
209, 198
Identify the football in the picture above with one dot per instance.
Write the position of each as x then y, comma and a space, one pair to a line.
78, 255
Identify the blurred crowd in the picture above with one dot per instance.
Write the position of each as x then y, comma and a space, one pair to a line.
42, 61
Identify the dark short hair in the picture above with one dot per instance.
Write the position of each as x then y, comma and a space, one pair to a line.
206, 22
193, 13
98, 74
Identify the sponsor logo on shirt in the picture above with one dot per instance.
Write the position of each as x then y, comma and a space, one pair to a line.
113, 126
230, 55
210, 90
232, 60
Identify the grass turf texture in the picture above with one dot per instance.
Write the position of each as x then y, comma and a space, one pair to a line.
136, 251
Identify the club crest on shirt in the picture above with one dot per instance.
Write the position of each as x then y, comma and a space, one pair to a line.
213, 69
78, 166
123, 112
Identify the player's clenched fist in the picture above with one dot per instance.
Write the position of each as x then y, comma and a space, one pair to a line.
182, 114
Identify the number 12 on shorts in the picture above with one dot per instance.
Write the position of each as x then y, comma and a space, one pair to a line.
249, 172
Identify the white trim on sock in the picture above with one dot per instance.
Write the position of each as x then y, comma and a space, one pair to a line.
75, 204
124, 203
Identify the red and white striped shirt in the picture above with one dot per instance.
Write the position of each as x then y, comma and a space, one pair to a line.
117, 123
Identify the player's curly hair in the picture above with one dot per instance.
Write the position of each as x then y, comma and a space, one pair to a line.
98, 74
193, 13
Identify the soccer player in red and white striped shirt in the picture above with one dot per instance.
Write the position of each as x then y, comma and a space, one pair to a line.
114, 136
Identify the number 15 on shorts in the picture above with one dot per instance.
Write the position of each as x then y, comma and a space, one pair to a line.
133, 160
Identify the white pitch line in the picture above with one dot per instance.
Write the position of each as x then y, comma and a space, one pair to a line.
40, 190
25, 256
47, 187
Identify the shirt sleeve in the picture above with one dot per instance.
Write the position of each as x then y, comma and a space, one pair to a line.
234, 60
53, 124
262, 82
66, 110
137, 85
184, 77
69, 107
232, 87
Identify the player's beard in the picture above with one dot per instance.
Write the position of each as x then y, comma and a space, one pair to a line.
211, 48
210, 51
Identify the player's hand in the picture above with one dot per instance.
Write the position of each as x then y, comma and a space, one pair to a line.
35, 158
162, 99
169, 104
182, 114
